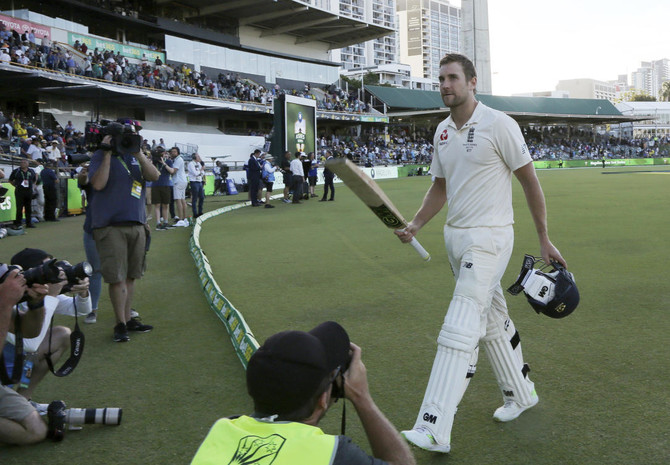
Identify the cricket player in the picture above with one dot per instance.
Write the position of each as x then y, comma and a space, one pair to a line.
300, 130
477, 149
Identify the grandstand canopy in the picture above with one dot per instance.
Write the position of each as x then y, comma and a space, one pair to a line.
306, 22
409, 103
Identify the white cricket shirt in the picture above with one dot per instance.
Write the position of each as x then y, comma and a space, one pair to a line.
477, 162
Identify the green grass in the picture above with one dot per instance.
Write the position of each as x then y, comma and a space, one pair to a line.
601, 373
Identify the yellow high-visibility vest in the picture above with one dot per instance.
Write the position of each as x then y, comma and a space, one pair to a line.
248, 440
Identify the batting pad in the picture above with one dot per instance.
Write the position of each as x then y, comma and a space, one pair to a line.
457, 345
503, 347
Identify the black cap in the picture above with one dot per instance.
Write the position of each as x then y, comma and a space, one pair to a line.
286, 371
29, 258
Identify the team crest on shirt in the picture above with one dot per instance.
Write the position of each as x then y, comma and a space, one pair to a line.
470, 143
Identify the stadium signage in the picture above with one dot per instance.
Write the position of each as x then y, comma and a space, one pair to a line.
20, 26
126, 50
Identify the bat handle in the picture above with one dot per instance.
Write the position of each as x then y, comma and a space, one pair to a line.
419, 248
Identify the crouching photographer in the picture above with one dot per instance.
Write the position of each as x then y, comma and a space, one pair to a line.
43, 351
294, 378
20, 423
36, 283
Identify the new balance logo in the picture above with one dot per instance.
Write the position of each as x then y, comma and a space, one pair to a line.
508, 393
467, 265
429, 418
543, 291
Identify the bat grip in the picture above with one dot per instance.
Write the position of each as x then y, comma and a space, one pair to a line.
419, 248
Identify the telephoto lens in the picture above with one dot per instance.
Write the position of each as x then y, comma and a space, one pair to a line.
93, 416
75, 272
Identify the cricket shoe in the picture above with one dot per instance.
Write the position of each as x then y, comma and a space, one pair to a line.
511, 409
423, 438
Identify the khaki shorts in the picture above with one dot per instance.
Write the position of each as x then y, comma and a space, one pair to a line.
160, 195
122, 251
13, 405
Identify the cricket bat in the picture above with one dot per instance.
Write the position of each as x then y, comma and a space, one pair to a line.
373, 196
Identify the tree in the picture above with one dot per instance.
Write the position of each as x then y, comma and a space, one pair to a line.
635, 96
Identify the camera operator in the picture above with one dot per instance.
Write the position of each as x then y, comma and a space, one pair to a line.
119, 223
161, 190
294, 378
19, 421
54, 341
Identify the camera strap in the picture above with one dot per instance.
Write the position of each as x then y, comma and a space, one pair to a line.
17, 370
76, 347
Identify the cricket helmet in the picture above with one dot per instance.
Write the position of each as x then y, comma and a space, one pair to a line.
550, 290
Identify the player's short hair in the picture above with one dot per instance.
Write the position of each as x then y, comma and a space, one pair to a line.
467, 65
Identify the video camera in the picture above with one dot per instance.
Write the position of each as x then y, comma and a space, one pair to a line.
58, 416
124, 132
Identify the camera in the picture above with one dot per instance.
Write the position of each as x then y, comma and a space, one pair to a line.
59, 415
42, 274
125, 139
157, 156
74, 273
48, 273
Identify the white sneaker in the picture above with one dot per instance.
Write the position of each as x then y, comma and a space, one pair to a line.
511, 409
91, 318
423, 438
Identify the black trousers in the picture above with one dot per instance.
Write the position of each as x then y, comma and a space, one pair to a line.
296, 187
23, 199
328, 183
50, 202
254, 184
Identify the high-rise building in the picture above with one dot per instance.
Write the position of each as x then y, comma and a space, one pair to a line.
427, 30
475, 37
381, 51
650, 76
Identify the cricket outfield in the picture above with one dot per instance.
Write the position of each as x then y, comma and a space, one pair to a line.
600, 373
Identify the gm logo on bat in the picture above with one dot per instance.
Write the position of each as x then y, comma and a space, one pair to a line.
387, 217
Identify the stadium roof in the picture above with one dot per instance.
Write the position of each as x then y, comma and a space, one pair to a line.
408, 102
306, 22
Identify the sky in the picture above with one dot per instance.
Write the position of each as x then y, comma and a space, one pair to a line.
536, 43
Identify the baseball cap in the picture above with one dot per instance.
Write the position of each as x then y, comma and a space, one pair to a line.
286, 371
29, 258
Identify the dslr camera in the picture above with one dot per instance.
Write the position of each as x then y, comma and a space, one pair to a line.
47, 273
124, 132
157, 156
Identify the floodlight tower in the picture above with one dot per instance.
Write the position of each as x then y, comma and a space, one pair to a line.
475, 40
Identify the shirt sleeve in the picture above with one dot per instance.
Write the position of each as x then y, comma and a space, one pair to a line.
349, 453
435, 165
510, 142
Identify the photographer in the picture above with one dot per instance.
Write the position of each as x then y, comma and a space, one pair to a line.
117, 174
19, 421
294, 378
161, 190
54, 341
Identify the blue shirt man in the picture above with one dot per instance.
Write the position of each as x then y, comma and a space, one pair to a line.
119, 226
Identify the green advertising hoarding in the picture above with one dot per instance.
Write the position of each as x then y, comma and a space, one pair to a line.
129, 51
